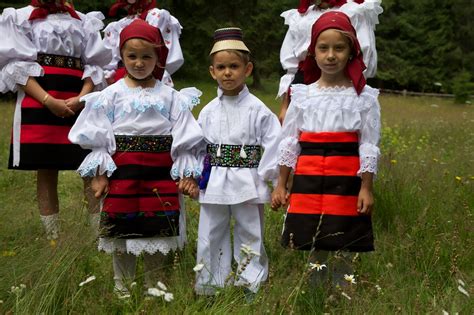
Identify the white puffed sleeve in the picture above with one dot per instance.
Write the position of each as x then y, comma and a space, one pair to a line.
370, 134
269, 135
17, 52
289, 148
93, 130
289, 61
95, 55
364, 18
186, 134
170, 30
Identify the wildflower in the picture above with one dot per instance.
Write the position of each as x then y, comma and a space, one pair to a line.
8, 253
379, 289
247, 250
169, 297
161, 285
389, 265
198, 267
156, 292
344, 294
53, 243
462, 290
458, 178
89, 279
350, 278
317, 266
393, 161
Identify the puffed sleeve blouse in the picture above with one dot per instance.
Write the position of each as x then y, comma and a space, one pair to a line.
57, 34
339, 109
122, 110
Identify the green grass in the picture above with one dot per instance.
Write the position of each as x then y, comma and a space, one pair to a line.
423, 225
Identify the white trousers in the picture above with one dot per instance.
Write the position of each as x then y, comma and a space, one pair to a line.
215, 252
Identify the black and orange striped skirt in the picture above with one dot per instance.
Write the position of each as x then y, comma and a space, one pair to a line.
143, 199
322, 213
43, 137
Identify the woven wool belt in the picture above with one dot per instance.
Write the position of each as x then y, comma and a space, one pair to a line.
143, 143
231, 155
60, 61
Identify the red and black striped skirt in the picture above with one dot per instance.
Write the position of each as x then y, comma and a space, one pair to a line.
143, 199
323, 201
43, 136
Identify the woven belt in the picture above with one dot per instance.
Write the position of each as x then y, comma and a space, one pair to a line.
143, 143
230, 155
60, 61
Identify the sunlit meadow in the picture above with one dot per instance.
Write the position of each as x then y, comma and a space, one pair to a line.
424, 223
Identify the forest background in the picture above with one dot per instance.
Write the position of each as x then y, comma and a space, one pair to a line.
423, 45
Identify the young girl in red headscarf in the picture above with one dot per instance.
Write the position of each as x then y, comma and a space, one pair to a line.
141, 133
50, 55
159, 18
364, 18
330, 139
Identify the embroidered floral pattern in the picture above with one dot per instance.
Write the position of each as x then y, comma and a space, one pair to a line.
230, 155
143, 143
60, 61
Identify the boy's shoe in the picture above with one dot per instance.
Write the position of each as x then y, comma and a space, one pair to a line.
121, 292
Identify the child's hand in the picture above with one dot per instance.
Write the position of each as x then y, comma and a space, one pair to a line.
74, 104
365, 203
100, 185
279, 197
188, 186
58, 107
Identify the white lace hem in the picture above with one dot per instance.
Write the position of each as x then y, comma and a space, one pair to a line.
18, 72
368, 164
288, 152
138, 246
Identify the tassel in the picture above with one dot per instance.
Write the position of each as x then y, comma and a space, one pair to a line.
218, 154
242, 152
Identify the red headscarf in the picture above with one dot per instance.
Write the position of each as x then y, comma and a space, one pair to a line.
43, 8
141, 29
304, 4
139, 7
355, 65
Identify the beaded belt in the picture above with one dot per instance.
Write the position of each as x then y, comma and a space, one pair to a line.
143, 143
60, 61
230, 155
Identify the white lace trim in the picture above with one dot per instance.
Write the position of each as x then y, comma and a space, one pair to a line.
94, 160
18, 72
139, 246
368, 164
332, 98
288, 152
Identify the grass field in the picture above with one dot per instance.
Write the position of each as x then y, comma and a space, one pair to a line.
424, 223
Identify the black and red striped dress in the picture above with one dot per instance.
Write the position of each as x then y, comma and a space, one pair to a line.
330, 136
59, 51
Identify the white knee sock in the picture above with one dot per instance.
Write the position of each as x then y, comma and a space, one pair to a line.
124, 270
51, 225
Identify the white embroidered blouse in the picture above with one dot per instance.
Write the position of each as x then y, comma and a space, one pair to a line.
122, 110
240, 120
316, 109
364, 18
170, 30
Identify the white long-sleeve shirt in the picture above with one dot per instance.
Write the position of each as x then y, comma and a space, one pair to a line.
240, 120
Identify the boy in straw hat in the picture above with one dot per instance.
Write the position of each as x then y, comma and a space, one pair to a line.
240, 135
